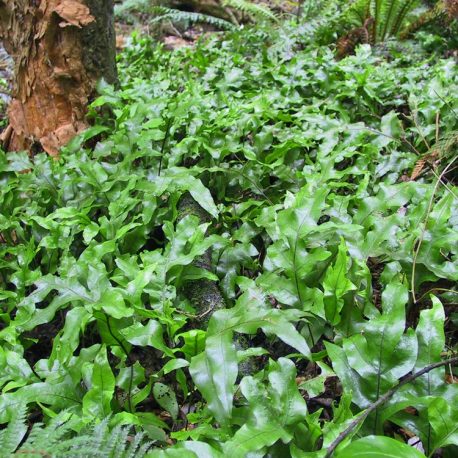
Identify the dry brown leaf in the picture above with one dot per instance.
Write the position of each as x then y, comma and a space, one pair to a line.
419, 166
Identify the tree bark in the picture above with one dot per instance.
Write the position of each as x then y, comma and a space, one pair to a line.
60, 48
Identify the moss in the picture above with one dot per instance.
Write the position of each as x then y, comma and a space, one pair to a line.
99, 41
188, 206
204, 294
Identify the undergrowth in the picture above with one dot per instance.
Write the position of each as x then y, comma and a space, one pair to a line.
338, 267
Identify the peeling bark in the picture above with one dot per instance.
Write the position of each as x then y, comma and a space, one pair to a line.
60, 48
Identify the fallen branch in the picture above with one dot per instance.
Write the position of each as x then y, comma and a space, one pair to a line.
204, 294
382, 401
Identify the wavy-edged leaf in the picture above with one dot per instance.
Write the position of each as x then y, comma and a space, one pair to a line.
97, 401
378, 447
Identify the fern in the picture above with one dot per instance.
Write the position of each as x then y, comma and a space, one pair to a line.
401, 15
162, 13
444, 9
130, 5
357, 13
11, 437
184, 17
255, 10
389, 16
57, 439
443, 151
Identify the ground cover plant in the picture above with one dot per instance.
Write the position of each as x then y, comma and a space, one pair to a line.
252, 252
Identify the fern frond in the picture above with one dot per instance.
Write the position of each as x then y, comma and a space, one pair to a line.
177, 16
388, 15
99, 434
442, 151
442, 9
12, 435
130, 5
406, 8
255, 10
117, 440
357, 13
57, 439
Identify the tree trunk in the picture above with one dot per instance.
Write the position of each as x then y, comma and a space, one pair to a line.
60, 48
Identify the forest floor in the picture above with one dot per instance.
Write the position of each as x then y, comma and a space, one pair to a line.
245, 254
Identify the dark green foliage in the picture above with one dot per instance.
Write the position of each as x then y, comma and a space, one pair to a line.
57, 439
332, 263
162, 13
256, 10
185, 17
389, 16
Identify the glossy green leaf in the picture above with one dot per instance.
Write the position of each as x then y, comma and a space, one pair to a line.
378, 447
166, 398
215, 380
97, 401
370, 363
443, 417
336, 285
150, 334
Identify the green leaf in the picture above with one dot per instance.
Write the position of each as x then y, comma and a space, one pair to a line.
378, 447
18, 162
215, 370
372, 362
174, 364
391, 127
194, 342
336, 284
316, 386
284, 394
272, 409
113, 304
186, 182
140, 395
216, 381
443, 417
147, 335
431, 343
97, 401
166, 398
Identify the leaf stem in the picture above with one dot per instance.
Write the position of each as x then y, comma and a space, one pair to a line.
164, 142
129, 359
344, 434
422, 235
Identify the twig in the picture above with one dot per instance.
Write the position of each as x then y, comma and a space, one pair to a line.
382, 400
129, 360
437, 126
443, 290
445, 101
300, 8
420, 132
164, 142
422, 235
403, 140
